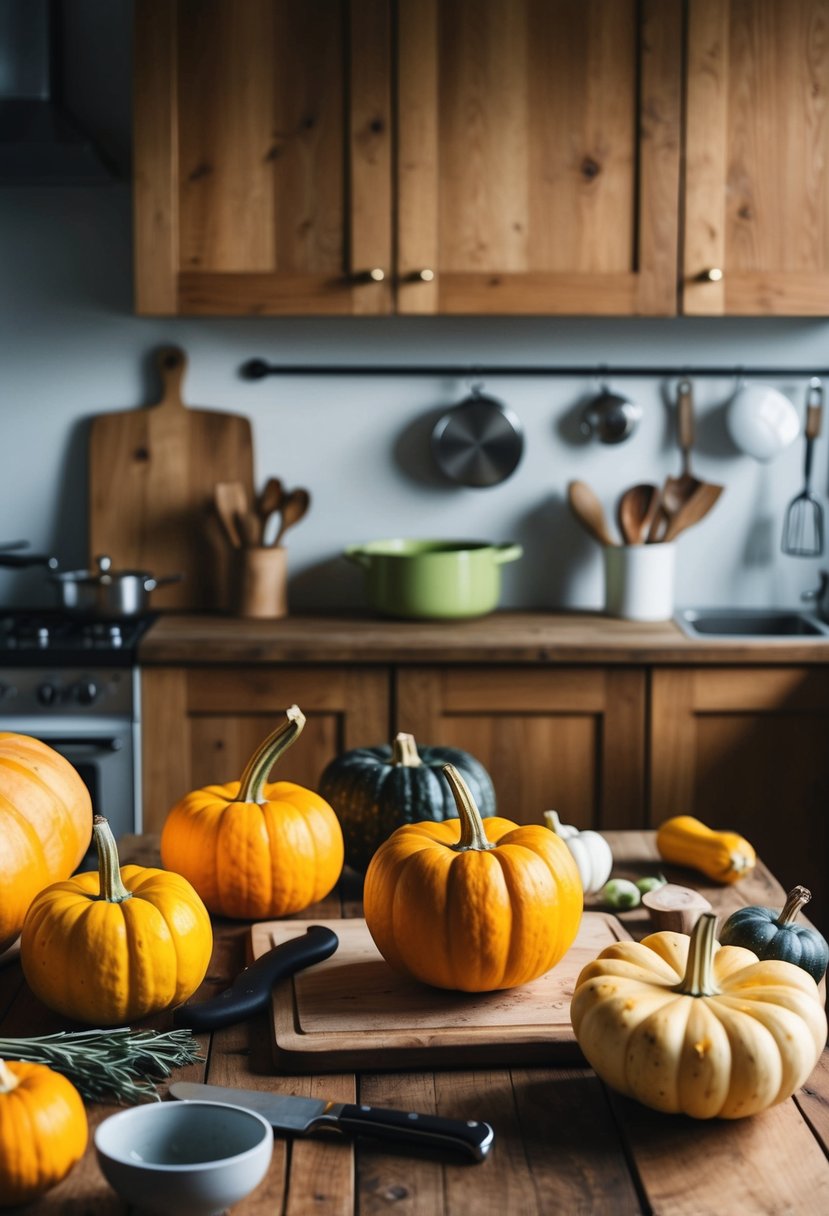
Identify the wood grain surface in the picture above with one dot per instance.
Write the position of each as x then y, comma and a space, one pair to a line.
353, 1011
544, 638
564, 1143
151, 478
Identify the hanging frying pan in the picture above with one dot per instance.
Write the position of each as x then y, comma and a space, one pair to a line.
478, 442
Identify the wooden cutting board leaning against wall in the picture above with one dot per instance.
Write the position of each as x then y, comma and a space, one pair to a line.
353, 1011
151, 477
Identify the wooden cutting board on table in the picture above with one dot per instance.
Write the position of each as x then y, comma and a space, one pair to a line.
151, 476
353, 1012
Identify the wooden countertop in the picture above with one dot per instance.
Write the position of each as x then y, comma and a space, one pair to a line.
502, 637
564, 1143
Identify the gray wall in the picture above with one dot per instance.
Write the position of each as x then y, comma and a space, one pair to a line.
70, 348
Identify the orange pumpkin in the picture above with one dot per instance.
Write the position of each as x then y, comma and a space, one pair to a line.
45, 825
254, 849
470, 903
116, 943
43, 1130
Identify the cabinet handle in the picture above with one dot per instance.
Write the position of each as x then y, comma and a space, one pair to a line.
712, 275
421, 276
375, 275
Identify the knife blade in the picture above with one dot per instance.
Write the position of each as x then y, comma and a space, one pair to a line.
251, 990
301, 1116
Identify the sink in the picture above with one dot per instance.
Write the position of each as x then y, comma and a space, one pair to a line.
766, 623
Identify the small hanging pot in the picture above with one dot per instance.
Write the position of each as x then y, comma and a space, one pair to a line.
610, 416
479, 442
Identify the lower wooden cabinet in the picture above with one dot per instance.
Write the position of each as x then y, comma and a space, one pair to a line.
567, 738
201, 724
609, 747
747, 748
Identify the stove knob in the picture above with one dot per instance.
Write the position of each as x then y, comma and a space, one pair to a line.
7, 691
48, 694
85, 693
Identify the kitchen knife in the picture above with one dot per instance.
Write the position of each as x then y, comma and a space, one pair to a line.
251, 990
299, 1116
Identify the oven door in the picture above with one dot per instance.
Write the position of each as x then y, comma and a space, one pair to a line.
104, 753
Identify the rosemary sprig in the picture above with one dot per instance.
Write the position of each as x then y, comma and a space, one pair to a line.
106, 1064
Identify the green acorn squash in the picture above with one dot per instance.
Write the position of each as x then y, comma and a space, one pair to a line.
374, 790
772, 934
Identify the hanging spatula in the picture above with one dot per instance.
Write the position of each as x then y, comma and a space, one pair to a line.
803, 525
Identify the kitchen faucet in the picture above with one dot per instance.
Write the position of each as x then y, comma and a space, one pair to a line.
818, 596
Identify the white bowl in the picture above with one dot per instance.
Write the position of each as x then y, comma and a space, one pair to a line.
762, 421
184, 1158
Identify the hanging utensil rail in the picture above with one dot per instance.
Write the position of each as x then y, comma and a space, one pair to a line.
257, 369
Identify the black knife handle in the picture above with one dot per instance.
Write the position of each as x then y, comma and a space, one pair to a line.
251, 990
472, 1137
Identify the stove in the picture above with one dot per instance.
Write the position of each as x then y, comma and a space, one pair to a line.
45, 638
74, 684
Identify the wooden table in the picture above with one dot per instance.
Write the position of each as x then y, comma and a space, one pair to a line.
564, 1143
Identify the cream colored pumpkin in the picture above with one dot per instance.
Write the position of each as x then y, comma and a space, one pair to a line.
591, 852
687, 1026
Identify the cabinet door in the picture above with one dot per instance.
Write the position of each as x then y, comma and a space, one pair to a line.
538, 156
757, 171
569, 739
746, 749
201, 725
262, 156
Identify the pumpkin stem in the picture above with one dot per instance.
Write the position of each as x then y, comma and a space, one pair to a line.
699, 971
112, 888
797, 897
404, 751
257, 770
8, 1079
552, 821
473, 835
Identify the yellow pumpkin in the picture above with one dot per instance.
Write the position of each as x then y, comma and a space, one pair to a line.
115, 944
685, 1025
45, 825
252, 849
723, 856
43, 1130
470, 903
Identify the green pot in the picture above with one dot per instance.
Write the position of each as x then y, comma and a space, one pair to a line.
434, 579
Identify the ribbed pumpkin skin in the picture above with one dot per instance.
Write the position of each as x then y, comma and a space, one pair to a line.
45, 825
252, 860
740, 1044
43, 1132
759, 929
108, 963
372, 796
473, 921
723, 856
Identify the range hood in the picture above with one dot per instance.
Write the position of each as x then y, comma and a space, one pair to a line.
40, 142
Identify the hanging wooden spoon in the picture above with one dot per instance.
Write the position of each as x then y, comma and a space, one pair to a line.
677, 490
636, 512
589, 512
294, 505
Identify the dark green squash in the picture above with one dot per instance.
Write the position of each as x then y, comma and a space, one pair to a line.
772, 934
374, 790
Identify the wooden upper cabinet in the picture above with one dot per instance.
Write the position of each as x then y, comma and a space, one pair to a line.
757, 158
482, 156
538, 156
262, 157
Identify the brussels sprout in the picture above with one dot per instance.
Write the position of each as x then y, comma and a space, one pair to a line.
652, 883
619, 893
